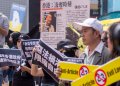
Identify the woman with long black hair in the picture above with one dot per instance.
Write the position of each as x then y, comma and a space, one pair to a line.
113, 40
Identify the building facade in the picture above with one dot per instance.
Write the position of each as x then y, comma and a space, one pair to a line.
110, 9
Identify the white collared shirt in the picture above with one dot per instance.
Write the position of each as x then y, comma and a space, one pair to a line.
89, 58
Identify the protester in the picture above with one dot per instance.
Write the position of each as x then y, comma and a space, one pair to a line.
4, 27
13, 40
22, 75
95, 53
113, 40
65, 47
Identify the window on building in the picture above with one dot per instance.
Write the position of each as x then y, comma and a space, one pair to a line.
105, 3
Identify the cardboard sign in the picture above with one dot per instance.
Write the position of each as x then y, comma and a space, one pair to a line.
72, 71
48, 58
102, 76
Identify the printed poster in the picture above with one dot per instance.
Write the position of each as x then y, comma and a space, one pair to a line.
17, 17
55, 16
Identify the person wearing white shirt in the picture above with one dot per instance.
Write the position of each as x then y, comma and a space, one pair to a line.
95, 53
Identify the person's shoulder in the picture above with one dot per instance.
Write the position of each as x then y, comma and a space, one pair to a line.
5, 18
105, 50
105, 54
3, 15
52, 28
14, 47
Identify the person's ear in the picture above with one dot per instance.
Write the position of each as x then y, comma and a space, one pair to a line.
97, 33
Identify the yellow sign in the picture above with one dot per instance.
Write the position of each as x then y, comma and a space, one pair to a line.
72, 71
102, 76
80, 45
107, 23
18, 28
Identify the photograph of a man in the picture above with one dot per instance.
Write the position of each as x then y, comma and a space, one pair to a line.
49, 20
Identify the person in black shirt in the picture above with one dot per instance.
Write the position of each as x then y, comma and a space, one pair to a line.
47, 80
22, 75
13, 40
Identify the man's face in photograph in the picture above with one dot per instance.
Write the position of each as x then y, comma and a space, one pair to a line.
49, 19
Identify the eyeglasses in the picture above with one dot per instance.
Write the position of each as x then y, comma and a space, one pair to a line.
106, 37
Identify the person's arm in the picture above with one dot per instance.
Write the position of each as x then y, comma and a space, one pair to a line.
5, 68
35, 71
4, 30
30, 63
24, 68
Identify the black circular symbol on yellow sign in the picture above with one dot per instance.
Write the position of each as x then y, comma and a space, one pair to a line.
83, 71
100, 77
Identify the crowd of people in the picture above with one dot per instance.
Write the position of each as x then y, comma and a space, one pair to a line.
102, 46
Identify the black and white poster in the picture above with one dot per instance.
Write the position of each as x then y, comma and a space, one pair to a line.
10, 57
74, 60
48, 58
55, 16
27, 48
